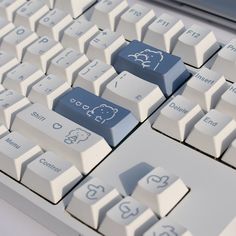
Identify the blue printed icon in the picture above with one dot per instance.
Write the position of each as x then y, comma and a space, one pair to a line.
127, 211
94, 191
57, 126
159, 181
169, 231
77, 135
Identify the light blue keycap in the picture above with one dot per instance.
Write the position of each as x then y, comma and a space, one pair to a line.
96, 114
151, 64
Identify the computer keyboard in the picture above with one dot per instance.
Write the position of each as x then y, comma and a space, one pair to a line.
115, 120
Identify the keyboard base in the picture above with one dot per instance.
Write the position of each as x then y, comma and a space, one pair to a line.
206, 210
53, 217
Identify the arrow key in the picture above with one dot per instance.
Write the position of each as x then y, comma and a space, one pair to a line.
160, 191
91, 201
128, 217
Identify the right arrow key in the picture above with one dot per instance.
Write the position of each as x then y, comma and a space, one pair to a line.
160, 191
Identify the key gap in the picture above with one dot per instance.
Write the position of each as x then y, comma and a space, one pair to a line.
205, 61
189, 190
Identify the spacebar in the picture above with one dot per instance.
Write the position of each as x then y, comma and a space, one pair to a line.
56, 133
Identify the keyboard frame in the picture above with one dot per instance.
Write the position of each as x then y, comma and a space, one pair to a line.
56, 219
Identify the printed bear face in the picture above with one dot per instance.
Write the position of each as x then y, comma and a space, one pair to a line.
103, 113
148, 58
76, 136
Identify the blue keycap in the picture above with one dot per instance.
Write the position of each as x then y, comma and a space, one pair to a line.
151, 64
96, 114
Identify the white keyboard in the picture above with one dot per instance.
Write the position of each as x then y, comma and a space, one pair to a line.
117, 118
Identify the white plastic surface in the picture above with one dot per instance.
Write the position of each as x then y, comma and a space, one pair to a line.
188, 215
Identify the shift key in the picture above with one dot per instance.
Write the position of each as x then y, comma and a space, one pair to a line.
65, 138
107, 119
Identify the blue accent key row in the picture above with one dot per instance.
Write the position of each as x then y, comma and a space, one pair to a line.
96, 114
151, 64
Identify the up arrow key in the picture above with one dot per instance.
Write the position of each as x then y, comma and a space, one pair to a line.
153, 65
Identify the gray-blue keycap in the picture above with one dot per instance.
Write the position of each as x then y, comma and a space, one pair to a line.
96, 114
151, 64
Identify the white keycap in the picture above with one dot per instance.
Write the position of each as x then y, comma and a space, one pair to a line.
50, 3
178, 117
16, 152
65, 138
92, 200
1, 88
134, 21
11, 102
53, 23
16, 41
47, 90
106, 13
163, 33
5, 27
213, 133
160, 191
205, 88
227, 102
30, 13
73, 7
226, 61
8, 8
230, 155
7, 62
22, 78
135, 94
229, 228
50, 176
167, 227
79, 34
105, 45
41, 52
95, 76
196, 45
127, 218
67, 64
3, 131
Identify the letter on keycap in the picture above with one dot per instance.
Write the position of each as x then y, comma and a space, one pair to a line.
50, 176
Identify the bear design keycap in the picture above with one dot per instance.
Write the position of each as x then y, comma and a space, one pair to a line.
153, 65
96, 114
66, 139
